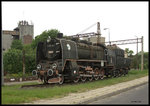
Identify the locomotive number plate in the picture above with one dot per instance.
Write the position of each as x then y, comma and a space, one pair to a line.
50, 52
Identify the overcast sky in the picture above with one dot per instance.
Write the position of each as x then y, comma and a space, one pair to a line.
126, 20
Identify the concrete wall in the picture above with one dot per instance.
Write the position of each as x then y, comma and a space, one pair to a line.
6, 41
25, 30
27, 39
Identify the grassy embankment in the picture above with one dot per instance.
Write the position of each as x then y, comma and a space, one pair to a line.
13, 94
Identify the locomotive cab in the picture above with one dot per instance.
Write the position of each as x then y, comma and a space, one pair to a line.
49, 50
53, 49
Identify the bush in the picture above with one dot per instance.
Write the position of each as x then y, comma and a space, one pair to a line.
43, 36
17, 44
136, 61
30, 56
30, 63
145, 66
13, 61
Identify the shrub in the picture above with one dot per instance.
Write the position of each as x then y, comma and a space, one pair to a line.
13, 61
30, 63
17, 44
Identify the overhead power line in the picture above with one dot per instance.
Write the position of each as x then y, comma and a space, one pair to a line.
127, 41
87, 28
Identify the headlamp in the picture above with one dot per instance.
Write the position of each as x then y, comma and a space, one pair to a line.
48, 39
54, 66
39, 66
74, 71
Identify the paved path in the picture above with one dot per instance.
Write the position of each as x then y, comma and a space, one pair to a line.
138, 95
88, 96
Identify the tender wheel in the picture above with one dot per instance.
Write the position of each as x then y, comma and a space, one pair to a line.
76, 80
111, 74
96, 78
102, 73
83, 79
114, 73
90, 78
124, 72
96, 70
61, 79
121, 72
117, 73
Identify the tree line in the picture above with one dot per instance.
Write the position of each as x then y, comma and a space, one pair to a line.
136, 59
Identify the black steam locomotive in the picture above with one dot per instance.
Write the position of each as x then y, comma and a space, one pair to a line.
60, 60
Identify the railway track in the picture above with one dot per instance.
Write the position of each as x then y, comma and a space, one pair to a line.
55, 84
39, 85
64, 84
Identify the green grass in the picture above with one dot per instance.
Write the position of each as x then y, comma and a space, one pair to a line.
13, 94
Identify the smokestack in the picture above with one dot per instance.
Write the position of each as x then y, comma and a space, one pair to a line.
98, 32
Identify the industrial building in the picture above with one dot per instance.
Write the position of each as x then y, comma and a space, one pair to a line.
94, 39
24, 32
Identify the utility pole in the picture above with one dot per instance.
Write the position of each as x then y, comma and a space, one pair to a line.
137, 54
23, 52
2, 70
98, 32
142, 54
108, 34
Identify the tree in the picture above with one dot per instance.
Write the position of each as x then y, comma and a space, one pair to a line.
129, 52
136, 59
30, 55
43, 36
17, 44
13, 61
